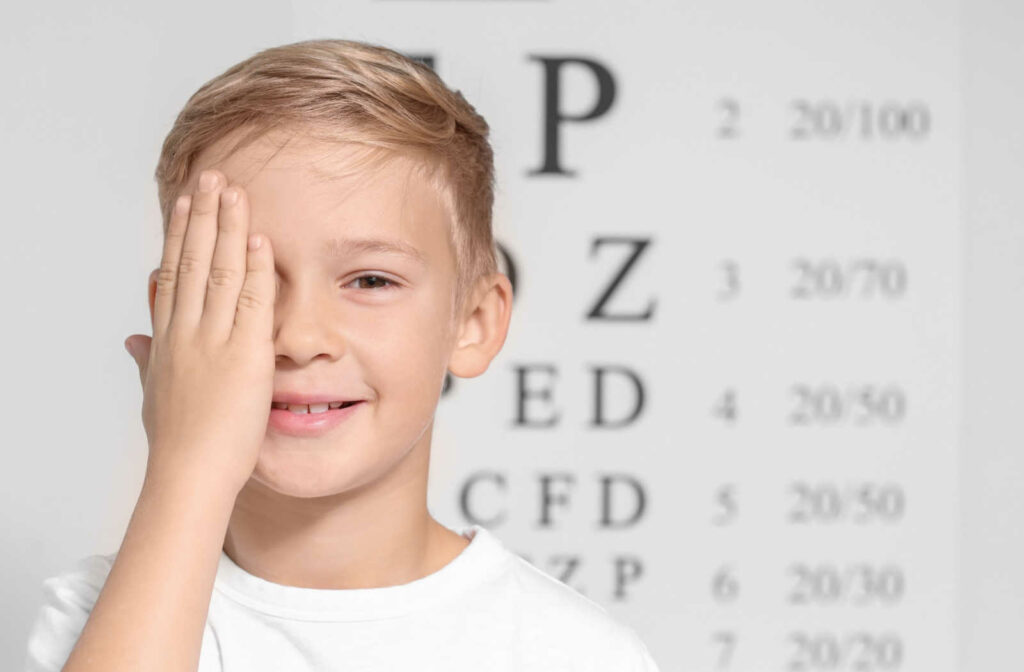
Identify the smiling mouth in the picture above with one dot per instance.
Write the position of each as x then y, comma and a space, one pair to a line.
298, 407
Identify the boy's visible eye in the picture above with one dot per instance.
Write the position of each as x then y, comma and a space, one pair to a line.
375, 281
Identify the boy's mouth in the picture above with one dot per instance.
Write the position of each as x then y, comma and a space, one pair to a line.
310, 421
314, 407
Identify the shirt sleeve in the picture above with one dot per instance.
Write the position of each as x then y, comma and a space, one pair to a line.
68, 599
621, 649
643, 661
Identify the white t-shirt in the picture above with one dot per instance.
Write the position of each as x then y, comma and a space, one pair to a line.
486, 610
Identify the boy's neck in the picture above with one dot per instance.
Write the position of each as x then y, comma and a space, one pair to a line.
379, 534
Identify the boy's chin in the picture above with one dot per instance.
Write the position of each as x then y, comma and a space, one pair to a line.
307, 474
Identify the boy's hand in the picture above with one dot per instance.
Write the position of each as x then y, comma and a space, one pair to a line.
208, 371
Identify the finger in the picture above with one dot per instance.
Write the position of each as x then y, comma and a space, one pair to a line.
167, 275
197, 250
139, 351
227, 270
254, 317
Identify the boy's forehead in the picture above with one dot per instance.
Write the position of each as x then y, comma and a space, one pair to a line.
284, 152
331, 188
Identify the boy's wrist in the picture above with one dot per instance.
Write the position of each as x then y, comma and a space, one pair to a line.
189, 482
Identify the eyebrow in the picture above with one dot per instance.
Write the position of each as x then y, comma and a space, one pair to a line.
337, 247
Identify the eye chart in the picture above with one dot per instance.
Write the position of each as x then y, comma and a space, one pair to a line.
726, 409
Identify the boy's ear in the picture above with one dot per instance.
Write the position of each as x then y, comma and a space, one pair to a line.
152, 296
482, 326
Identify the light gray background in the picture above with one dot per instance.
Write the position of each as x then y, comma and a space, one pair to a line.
90, 92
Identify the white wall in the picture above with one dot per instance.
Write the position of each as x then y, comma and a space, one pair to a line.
992, 519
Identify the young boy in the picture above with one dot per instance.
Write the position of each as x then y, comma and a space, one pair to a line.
289, 393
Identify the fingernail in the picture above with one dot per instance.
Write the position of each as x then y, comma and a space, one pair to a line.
255, 241
207, 180
229, 196
181, 205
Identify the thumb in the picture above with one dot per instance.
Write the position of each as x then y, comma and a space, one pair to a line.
137, 346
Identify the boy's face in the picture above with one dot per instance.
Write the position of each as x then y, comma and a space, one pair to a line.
385, 340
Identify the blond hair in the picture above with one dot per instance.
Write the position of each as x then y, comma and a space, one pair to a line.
351, 91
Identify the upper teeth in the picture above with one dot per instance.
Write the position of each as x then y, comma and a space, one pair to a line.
307, 408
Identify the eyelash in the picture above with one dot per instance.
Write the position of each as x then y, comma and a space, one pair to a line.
391, 283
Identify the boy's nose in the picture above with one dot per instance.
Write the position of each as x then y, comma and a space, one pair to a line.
304, 329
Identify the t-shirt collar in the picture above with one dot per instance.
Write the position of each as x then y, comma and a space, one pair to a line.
482, 559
